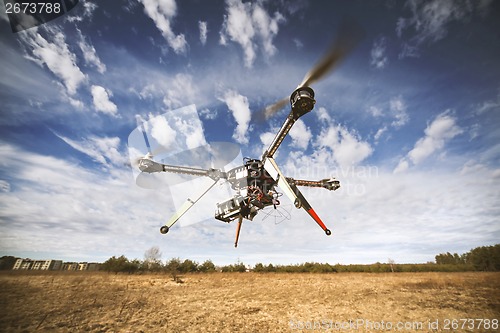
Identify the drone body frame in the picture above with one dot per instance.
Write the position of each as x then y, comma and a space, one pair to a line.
255, 182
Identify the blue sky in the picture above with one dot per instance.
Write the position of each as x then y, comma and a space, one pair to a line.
408, 123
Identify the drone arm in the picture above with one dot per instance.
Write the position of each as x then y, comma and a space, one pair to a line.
302, 102
330, 184
292, 192
149, 166
185, 207
278, 139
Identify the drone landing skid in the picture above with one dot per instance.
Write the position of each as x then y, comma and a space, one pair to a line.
238, 228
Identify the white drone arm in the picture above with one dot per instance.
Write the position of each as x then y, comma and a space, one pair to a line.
185, 207
147, 165
292, 192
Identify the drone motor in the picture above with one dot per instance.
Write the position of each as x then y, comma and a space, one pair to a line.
302, 101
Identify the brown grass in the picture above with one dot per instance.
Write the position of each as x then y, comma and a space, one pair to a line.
242, 302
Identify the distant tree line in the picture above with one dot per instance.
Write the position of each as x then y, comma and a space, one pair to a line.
483, 258
174, 266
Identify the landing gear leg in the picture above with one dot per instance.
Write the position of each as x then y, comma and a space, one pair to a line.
240, 221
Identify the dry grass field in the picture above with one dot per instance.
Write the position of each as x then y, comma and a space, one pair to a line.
249, 302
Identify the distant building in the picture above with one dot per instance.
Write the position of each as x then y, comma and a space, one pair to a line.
88, 266
23, 264
93, 266
70, 266
54, 265
43, 265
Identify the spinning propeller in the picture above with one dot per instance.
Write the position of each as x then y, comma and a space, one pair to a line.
347, 38
215, 155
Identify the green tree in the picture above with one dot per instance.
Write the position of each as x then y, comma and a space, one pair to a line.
188, 266
238, 267
7, 262
120, 264
173, 265
206, 267
259, 267
484, 258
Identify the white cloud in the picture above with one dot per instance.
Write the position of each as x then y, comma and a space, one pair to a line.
93, 214
208, 114
172, 132
489, 105
266, 27
266, 138
4, 186
148, 91
379, 133
187, 123
300, 134
88, 11
323, 115
385, 213
349, 149
398, 108
162, 132
202, 25
76, 103
430, 21
298, 44
375, 111
90, 54
100, 97
442, 129
104, 150
162, 12
345, 148
395, 118
239, 107
337, 144
248, 24
402, 166
378, 57
180, 91
373, 203
55, 55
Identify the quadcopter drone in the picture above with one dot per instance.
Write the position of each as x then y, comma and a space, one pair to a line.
255, 182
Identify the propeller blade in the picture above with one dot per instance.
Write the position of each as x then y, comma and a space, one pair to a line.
215, 155
155, 181
270, 110
348, 36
